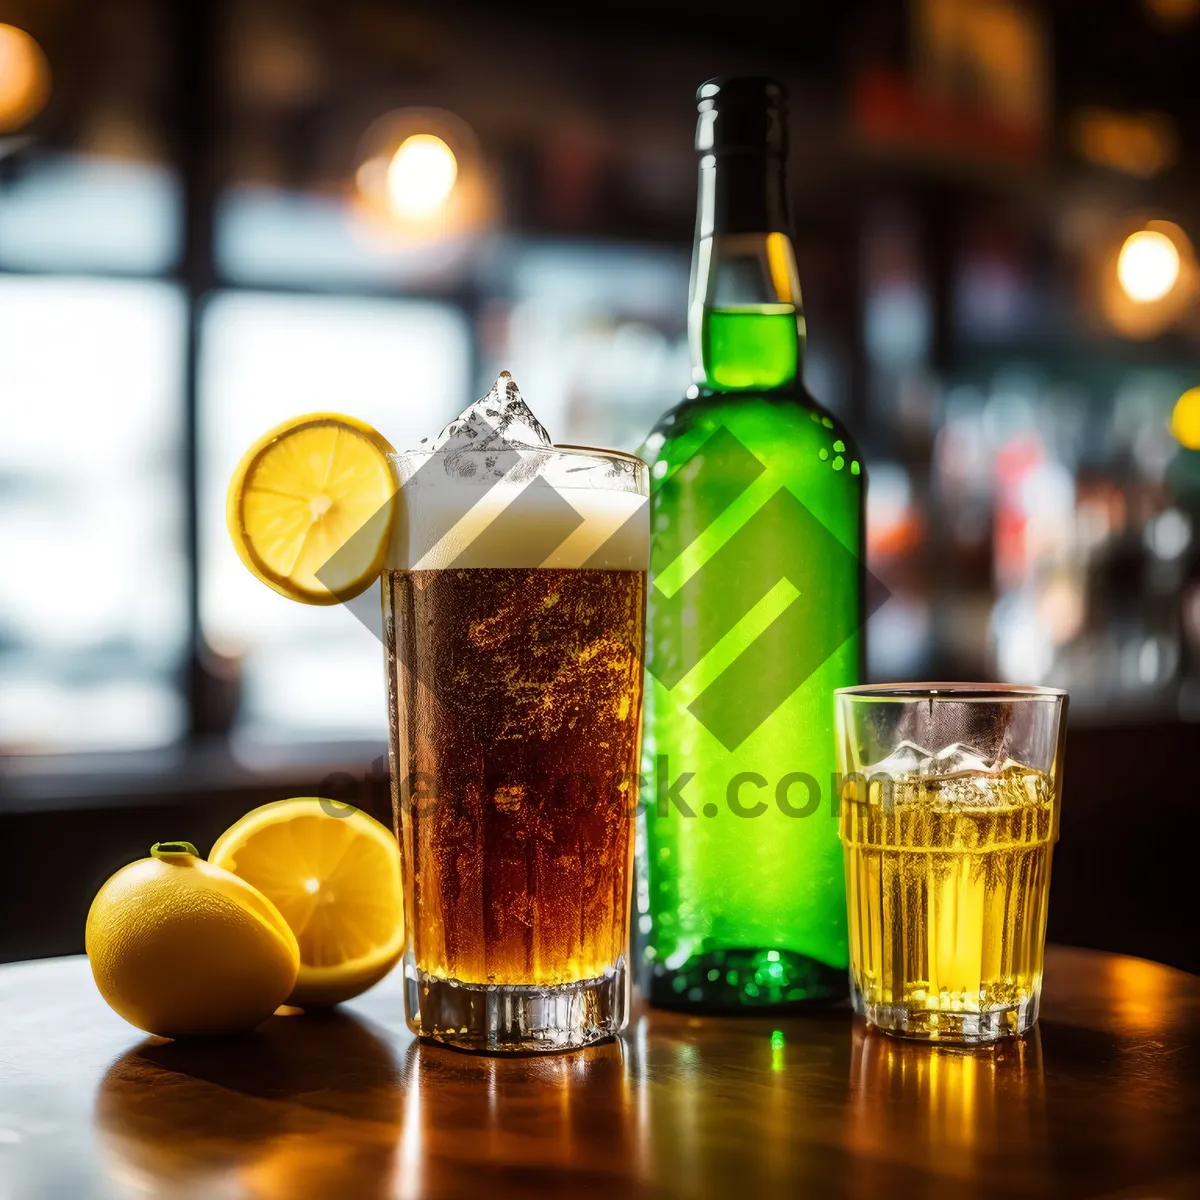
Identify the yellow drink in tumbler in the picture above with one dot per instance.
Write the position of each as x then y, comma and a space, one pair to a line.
947, 879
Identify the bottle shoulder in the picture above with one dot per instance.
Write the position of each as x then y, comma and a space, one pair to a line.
778, 421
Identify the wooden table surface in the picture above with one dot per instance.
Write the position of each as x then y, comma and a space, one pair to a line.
1099, 1101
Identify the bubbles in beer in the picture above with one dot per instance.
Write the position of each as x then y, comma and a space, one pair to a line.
948, 871
530, 726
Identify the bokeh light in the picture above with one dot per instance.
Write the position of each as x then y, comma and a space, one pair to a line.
1138, 144
24, 79
1148, 278
1148, 266
421, 176
1173, 13
1185, 420
420, 181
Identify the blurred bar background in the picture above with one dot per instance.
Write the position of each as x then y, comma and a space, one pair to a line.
216, 214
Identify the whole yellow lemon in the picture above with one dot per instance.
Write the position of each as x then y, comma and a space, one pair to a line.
180, 948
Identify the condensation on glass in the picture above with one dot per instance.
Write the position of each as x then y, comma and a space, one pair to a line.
949, 815
514, 616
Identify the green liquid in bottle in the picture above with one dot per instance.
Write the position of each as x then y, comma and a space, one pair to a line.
745, 896
751, 346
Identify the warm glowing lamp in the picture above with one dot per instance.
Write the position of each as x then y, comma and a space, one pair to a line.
24, 79
420, 181
1172, 13
421, 176
1148, 266
1185, 420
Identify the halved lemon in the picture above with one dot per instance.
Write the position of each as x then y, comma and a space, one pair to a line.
334, 874
310, 507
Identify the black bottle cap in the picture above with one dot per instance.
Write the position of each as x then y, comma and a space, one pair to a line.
747, 113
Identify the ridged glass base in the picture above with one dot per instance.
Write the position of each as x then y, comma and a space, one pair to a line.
500, 1019
743, 980
970, 1028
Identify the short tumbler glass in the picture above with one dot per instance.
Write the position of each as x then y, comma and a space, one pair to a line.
949, 814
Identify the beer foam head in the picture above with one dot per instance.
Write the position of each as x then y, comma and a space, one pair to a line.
493, 491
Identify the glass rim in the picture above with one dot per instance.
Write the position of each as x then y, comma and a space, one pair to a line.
601, 452
958, 692
569, 450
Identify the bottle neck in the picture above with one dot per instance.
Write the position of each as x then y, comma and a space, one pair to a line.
745, 318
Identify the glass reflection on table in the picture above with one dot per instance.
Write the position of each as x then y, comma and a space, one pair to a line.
946, 1110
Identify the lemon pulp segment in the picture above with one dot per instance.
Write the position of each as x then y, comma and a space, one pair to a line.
336, 881
310, 507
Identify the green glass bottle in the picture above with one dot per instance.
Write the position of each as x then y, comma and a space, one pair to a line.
754, 610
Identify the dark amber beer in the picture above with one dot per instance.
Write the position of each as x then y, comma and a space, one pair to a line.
524, 756
516, 696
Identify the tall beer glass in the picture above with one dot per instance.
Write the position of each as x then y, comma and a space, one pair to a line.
949, 815
514, 611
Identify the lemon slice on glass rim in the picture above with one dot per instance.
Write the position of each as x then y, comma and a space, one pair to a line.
333, 872
310, 507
